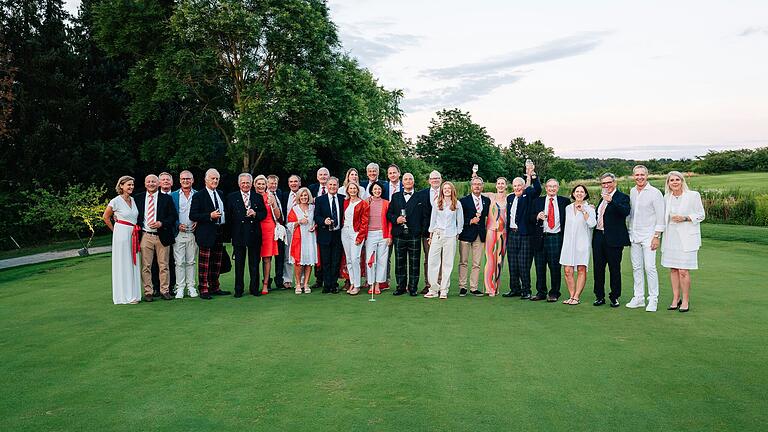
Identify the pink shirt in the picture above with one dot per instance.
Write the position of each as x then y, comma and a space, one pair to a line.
374, 218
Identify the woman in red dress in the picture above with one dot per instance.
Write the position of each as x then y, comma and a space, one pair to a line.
268, 242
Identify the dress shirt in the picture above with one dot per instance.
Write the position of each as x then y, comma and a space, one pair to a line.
547, 200
393, 189
433, 195
184, 204
450, 221
291, 201
407, 195
334, 201
216, 199
513, 212
146, 208
646, 216
601, 212
478, 201
322, 190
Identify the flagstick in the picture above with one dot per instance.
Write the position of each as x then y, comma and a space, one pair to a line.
372, 266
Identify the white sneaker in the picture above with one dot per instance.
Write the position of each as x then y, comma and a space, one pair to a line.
180, 294
193, 292
652, 304
431, 294
443, 296
635, 303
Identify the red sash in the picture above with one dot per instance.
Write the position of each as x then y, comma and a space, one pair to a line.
135, 245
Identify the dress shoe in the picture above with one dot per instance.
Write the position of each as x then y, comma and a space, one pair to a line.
551, 299
326, 291
525, 296
221, 293
463, 292
476, 293
425, 290
615, 303
384, 286
538, 297
148, 298
335, 290
677, 306
167, 296
398, 292
681, 310
636, 303
413, 293
599, 302
511, 294
206, 296
255, 293
238, 294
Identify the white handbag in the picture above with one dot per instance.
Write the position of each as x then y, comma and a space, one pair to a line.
279, 228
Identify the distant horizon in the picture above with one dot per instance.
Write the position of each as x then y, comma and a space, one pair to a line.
589, 79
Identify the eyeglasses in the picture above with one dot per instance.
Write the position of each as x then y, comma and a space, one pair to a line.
607, 183
185, 179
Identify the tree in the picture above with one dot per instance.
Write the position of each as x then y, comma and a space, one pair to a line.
541, 155
7, 74
565, 170
454, 143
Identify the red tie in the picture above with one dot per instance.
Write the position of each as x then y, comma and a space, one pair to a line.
323, 191
151, 209
551, 214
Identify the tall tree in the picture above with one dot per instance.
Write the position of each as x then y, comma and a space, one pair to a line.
541, 155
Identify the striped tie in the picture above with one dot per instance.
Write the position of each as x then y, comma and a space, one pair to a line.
151, 209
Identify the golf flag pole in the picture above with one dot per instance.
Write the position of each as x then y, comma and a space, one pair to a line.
371, 263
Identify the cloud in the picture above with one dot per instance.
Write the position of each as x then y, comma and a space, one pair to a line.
751, 31
557, 49
468, 90
370, 50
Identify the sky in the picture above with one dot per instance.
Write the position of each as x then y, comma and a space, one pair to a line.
630, 79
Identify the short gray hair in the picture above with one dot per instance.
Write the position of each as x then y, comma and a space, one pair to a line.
372, 165
478, 178
552, 179
409, 175
212, 171
334, 179
296, 177
518, 180
245, 174
608, 174
642, 167
435, 172
321, 169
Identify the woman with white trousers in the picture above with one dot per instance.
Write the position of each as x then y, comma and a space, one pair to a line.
446, 223
379, 239
353, 234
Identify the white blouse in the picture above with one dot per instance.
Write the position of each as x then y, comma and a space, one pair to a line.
450, 221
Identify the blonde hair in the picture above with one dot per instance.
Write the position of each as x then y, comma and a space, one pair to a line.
441, 197
357, 186
311, 199
676, 174
121, 181
346, 176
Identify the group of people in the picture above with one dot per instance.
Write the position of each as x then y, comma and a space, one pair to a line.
349, 229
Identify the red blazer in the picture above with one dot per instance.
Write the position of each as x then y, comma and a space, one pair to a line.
359, 219
386, 225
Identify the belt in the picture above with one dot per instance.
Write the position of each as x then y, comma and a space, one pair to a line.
150, 232
551, 234
514, 230
135, 247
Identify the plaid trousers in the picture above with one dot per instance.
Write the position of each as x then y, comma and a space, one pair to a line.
209, 266
407, 262
548, 256
520, 257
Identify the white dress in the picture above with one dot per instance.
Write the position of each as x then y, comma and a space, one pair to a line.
672, 253
577, 238
126, 279
306, 239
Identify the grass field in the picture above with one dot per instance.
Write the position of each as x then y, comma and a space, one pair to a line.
73, 361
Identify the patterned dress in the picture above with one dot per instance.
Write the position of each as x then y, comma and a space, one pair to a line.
495, 243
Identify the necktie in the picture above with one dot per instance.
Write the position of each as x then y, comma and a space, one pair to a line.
246, 201
601, 213
322, 191
478, 206
334, 215
151, 209
407, 193
551, 213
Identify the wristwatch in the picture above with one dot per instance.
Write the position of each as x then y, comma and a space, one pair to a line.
657, 236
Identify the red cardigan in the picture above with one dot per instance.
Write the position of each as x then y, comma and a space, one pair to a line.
359, 219
386, 225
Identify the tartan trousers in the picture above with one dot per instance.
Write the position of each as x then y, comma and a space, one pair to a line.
209, 266
407, 262
548, 256
520, 257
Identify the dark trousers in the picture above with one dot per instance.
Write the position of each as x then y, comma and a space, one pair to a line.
603, 254
548, 256
330, 256
278, 263
520, 258
156, 274
241, 254
407, 262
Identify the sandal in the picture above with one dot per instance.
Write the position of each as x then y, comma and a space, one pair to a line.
574, 302
307, 289
353, 291
568, 301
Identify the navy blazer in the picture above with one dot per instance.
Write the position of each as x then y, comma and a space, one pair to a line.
245, 231
538, 231
615, 219
425, 198
322, 211
471, 232
200, 211
165, 213
314, 189
524, 226
416, 214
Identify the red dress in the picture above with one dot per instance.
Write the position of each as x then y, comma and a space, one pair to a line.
268, 242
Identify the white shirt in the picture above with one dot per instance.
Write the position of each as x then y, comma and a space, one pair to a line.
146, 208
322, 190
291, 201
601, 212
338, 208
513, 212
646, 215
478, 202
184, 205
409, 195
450, 221
433, 195
215, 196
393, 189
547, 229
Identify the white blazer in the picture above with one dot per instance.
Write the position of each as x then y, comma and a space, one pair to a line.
690, 232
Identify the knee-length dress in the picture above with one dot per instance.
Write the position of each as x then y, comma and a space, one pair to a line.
126, 278
303, 241
268, 242
577, 238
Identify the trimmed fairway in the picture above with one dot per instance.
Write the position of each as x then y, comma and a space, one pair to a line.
73, 361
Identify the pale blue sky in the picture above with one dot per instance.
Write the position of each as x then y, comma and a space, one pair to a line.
589, 78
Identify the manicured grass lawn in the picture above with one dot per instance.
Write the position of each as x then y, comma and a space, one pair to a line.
744, 181
100, 240
73, 361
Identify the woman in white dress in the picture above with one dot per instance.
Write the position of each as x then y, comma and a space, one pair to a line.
577, 242
301, 228
446, 223
126, 279
682, 237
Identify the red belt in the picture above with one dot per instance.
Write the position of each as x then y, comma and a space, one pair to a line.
135, 245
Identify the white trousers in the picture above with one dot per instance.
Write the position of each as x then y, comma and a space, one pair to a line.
287, 266
644, 265
376, 243
184, 253
442, 251
352, 253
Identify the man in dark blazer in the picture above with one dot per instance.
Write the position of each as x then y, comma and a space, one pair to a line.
329, 217
320, 188
245, 211
548, 216
609, 239
157, 218
519, 229
408, 215
472, 238
208, 210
